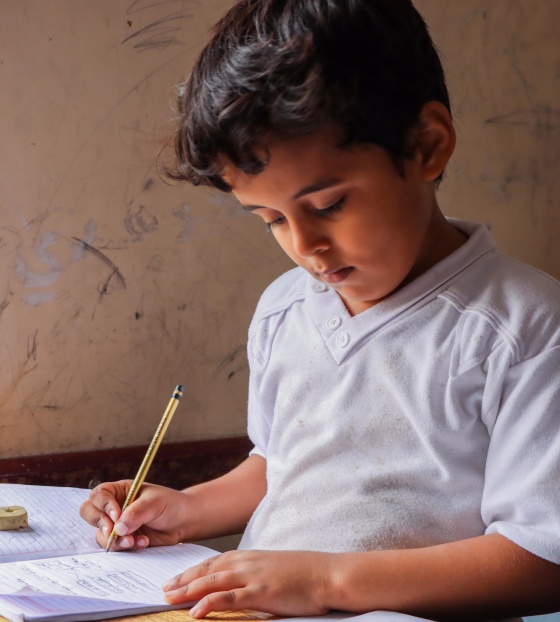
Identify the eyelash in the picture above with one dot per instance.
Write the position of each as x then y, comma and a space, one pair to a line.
326, 211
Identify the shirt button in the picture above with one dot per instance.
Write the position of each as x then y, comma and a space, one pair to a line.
334, 322
319, 287
342, 340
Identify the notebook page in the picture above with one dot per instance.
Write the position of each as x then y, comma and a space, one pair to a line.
55, 527
52, 587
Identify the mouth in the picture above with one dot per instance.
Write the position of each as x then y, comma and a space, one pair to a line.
335, 276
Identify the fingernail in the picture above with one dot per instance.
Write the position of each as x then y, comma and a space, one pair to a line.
142, 542
105, 530
113, 515
194, 610
125, 543
172, 597
167, 585
121, 529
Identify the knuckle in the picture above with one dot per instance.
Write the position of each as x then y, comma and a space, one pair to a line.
183, 591
99, 522
98, 492
208, 565
222, 601
231, 597
228, 555
84, 509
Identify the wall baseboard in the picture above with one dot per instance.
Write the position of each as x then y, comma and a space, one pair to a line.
177, 465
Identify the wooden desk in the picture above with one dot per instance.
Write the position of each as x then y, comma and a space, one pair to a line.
184, 616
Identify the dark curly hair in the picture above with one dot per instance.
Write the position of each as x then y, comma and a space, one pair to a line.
285, 67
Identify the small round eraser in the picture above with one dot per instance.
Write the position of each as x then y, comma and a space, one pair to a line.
12, 517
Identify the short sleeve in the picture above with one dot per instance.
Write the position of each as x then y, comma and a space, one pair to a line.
521, 498
261, 401
270, 313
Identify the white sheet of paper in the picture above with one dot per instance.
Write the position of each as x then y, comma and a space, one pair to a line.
58, 586
386, 616
373, 616
55, 527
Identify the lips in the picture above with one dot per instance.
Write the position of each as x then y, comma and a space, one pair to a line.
335, 276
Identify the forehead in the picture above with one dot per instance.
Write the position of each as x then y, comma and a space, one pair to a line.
301, 162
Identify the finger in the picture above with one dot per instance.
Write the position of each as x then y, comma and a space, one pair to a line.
103, 500
98, 519
102, 509
101, 538
133, 542
198, 588
232, 600
134, 517
207, 567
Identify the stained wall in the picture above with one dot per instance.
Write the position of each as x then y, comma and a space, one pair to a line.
115, 286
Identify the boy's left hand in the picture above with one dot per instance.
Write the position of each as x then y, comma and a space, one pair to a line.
280, 582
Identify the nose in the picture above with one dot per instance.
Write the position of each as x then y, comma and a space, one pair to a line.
308, 237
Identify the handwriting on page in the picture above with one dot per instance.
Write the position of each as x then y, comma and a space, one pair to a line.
131, 577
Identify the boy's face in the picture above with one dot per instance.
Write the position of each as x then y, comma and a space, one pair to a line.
348, 216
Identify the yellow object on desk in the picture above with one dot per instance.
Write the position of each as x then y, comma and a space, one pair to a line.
148, 458
12, 517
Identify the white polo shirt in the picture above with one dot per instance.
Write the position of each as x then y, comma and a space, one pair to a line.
434, 416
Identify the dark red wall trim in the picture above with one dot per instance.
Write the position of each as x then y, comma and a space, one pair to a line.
177, 465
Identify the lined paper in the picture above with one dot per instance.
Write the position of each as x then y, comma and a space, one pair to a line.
96, 582
55, 527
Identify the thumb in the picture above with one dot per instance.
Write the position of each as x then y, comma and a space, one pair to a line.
137, 514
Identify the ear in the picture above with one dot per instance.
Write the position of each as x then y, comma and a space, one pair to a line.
433, 139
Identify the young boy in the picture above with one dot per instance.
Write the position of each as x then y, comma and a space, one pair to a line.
404, 379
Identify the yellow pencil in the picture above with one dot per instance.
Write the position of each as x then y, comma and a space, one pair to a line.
148, 458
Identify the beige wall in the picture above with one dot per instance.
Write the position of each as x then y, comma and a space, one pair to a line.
92, 341
502, 58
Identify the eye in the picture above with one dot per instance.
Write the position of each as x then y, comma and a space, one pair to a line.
274, 223
322, 212
331, 209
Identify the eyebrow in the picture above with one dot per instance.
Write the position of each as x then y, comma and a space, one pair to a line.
321, 184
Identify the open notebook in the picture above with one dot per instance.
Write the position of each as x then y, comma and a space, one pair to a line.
93, 586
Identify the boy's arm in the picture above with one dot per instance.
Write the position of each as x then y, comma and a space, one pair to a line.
226, 504
479, 578
161, 516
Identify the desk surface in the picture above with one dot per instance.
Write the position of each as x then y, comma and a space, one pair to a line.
184, 616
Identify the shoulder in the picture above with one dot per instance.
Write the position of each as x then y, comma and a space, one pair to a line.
277, 299
282, 293
519, 302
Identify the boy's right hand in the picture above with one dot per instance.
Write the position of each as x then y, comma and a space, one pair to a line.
161, 516
155, 518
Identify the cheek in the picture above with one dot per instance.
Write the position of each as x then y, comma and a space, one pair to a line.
284, 241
